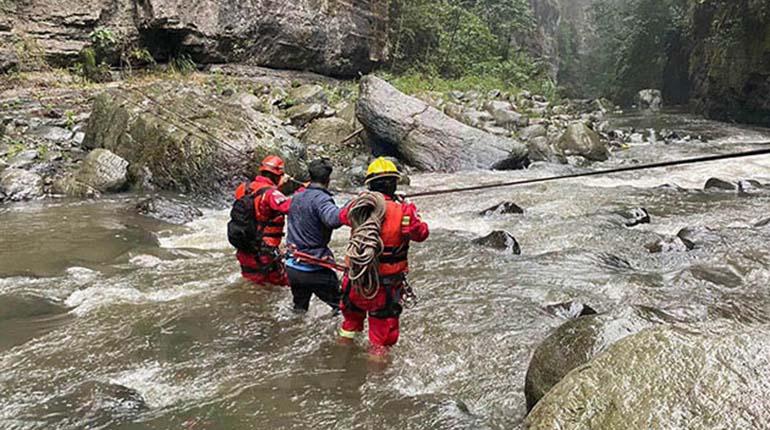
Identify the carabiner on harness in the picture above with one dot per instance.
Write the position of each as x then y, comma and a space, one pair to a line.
408, 297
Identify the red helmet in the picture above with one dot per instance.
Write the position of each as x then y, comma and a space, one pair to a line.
272, 164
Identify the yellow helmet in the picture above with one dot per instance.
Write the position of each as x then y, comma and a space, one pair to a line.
381, 168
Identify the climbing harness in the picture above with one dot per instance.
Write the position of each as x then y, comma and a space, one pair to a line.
315, 261
681, 162
366, 214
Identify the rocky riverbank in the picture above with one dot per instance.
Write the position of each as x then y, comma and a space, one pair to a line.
204, 132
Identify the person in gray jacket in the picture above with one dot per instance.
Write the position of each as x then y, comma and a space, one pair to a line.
312, 218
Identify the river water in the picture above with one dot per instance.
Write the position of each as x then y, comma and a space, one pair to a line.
111, 320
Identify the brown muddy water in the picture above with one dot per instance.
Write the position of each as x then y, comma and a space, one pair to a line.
110, 320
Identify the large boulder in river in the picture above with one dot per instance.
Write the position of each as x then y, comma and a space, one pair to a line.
580, 140
18, 184
333, 38
577, 341
649, 100
185, 139
703, 376
426, 138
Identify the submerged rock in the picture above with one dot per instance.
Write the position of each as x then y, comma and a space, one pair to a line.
719, 184
698, 236
577, 341
17, 185
636, 216
426, 138
500, 240
570, 310
693, 376
580, 140
503, 208
96, 404
168, 210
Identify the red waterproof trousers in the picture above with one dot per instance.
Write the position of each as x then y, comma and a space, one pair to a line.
383, 316
262, 269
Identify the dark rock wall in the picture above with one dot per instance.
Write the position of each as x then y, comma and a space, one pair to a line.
334, 37
730, 59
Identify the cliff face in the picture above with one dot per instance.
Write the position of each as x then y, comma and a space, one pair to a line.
562, 37
334, 37
730, 59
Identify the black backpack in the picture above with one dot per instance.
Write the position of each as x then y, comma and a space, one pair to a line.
242, 230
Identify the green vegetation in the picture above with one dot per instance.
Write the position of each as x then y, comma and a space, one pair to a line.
462, 44
637, 38
70, 119
182, 64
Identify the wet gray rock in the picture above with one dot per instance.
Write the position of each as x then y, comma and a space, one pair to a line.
540, 149
307, 94
301, 115
748, 186
580, 140
426, 138
504, 115
636, 216
577, 341
327, 132
694, 376
698, 236
504, 208
569, 310
713, 184
649, 100
102, 171
669, 244
168, 210
500, 240
18, 185
54, 134
23, 159
533, 131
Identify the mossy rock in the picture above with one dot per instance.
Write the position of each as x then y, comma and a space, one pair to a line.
702, 376
577, 341
189, 140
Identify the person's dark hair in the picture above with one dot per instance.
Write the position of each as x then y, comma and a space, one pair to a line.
385, 185
272, 176
320, 171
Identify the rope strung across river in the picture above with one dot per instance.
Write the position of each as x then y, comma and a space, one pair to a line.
233, 150
680, 162
365, 246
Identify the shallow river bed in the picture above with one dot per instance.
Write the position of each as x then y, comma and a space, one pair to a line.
111, 320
